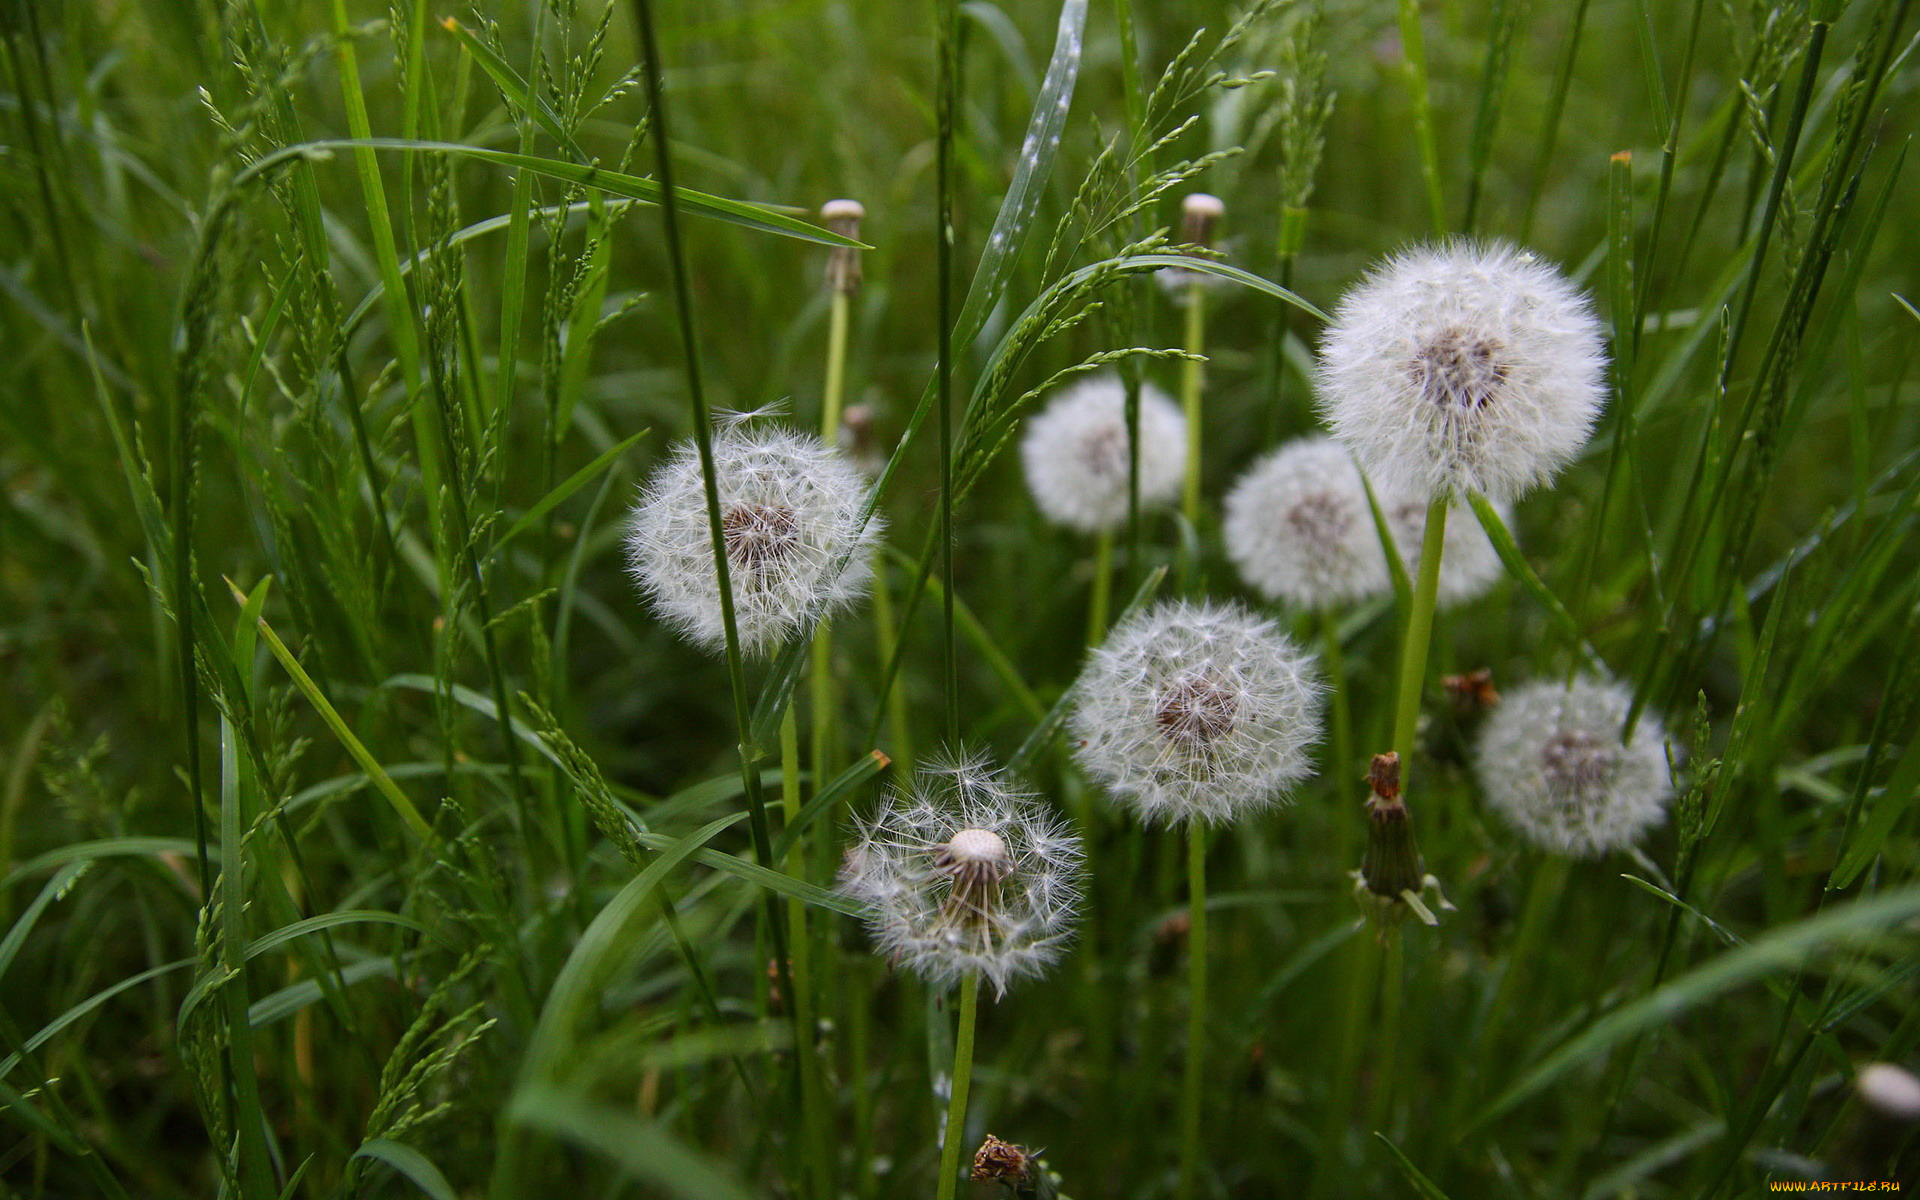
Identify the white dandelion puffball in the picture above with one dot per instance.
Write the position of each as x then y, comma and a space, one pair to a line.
1299, 528
1197, 712
966, 872
1551, 763
1469, 565
1463, 367
790, 517
1075, 453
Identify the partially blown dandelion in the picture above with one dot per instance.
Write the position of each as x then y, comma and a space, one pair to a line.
1197, 713
967, 874
1552, 764
790, 517
1075, 453
1463, 367
1299, 528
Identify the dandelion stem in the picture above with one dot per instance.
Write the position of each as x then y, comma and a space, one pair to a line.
1413, 653
1191, 378
805, 1052
954, 1131
1196, 1010
1340, 718
1101, 602
824, 699
1387, 1030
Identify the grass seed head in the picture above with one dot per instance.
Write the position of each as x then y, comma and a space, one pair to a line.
1463, 367
1197, 712
1075, 453
1551, 762
790, 519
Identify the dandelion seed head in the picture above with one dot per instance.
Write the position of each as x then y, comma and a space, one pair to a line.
789, 514
1075, 453
1462, 367
1197, 712
1552, 764
966, 872
1300, 530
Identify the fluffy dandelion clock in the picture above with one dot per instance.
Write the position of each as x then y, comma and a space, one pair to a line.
1469, 565
967, 873
1197, 713
1463, 367
790, 518
1551, 763
1299, 528
1075, 453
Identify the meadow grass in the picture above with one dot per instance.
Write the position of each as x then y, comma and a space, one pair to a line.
366, 834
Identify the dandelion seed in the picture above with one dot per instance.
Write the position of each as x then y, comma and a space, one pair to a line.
790, 519
1075, 453
1300, 530
967, 873
1552, 764
1463, 367
1197, 713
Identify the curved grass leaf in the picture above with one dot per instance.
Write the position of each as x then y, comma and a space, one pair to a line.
640, 1146
415, 1166
1850, 925
617, 183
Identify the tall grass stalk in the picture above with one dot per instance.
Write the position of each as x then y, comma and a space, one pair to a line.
703, 441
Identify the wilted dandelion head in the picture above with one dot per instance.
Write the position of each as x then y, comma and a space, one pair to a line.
1075, 453
1551, 762
790, 516
1469, 564
1299, 528
1463, 367
1197, 712
966, 872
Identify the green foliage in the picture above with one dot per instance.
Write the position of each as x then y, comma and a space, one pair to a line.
364, 835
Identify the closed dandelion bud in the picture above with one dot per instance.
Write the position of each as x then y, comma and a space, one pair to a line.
1020, 1170
790, 520
966, 872
1469, 565
1872, 1148
1551, 762
1300, 530
1392, 876
1890, 1092
1463, 367
1075, 453
1199, 213
1471, 692
1197, 712
1200, 216
843, 265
